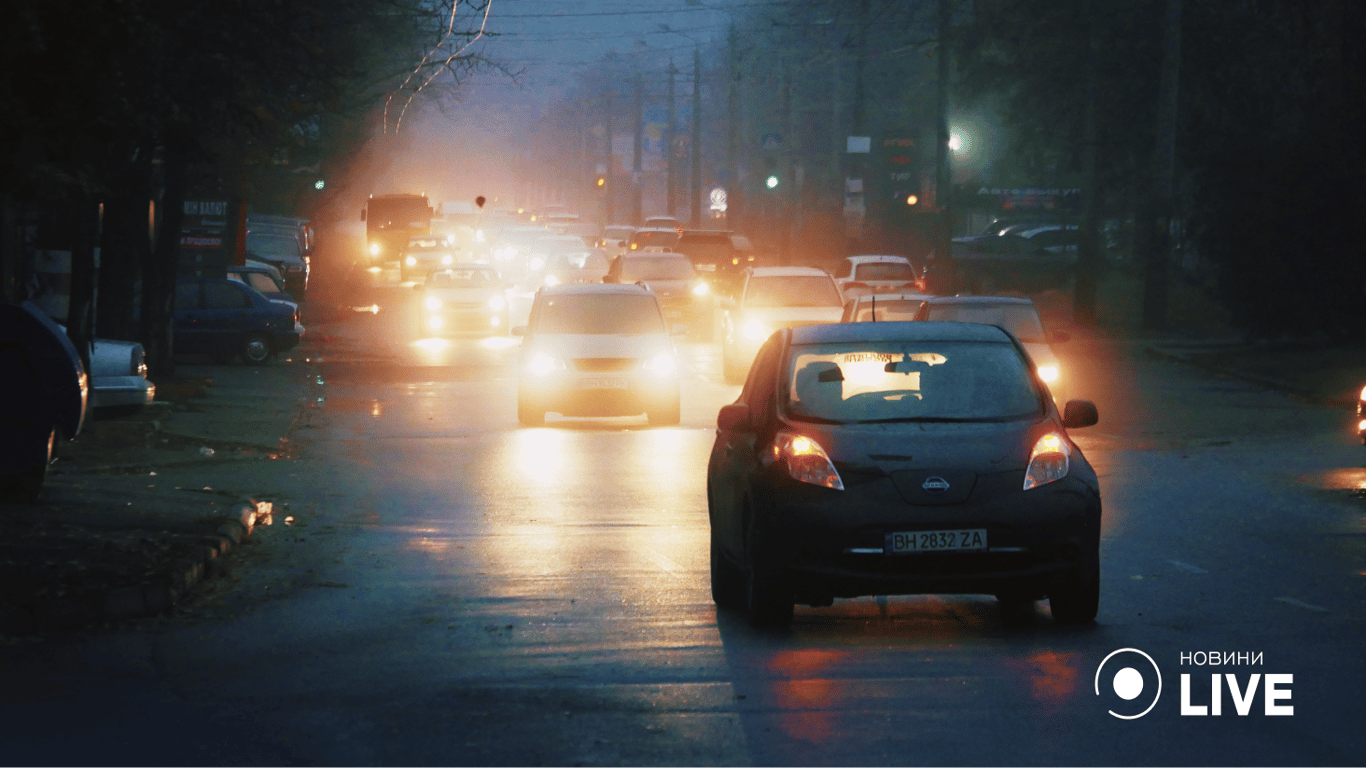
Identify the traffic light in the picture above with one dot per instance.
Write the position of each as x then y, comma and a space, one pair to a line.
772, 181
600, 182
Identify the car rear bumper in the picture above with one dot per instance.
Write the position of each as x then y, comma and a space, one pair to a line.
121, 391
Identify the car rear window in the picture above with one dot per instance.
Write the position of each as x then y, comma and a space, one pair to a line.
890, 381
643, 239
587, 313
886, 310
1022, 320
884, 270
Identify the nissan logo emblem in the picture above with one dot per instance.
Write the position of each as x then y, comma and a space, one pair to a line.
935, 485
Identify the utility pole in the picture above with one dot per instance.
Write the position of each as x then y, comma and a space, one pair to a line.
671, 166
943, 239
1164, 162
1088, 248
636, 217
611, 166
696, 189
732, 134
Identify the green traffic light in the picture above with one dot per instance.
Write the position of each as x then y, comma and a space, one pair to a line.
772, 182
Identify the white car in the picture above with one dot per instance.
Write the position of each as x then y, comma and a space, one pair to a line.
877, 274
1017, 315
118, 375
770, 298
597, 349
463, 298
883, 307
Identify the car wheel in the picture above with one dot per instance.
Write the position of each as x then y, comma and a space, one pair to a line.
30, 485
667, 416
530, 414
769, 600
255, 349
1076, 602
727, 582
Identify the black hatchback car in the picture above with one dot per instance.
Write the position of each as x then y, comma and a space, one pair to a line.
900, 458
224, 319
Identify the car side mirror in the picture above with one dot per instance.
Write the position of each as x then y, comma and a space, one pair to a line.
1079, 413
734, 418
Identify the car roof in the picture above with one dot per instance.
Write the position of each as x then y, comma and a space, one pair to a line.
870, 297
870, 258
980, 300
788, 272
670, 230
901, 330
582, 288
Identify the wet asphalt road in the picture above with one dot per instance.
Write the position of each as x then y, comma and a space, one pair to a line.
462, 590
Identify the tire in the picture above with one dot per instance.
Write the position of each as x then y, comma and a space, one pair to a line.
769, 601
667, 416
727, 581
530, 414
1076, 602
255, 349
30, 486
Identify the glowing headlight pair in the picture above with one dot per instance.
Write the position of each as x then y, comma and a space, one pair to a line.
808, 462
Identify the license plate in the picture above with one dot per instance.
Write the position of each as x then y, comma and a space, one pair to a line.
602, 383
915, 542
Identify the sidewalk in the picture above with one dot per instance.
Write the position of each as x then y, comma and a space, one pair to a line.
137, 510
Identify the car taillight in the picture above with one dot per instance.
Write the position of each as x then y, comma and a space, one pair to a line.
806, 460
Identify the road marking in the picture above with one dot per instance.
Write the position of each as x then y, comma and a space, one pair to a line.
1300, 604
1188, 567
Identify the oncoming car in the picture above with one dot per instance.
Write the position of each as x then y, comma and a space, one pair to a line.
597, 349
1015, 314
463, 298
900, 458
770, 298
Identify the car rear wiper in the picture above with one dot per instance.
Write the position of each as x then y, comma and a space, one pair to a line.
921, 419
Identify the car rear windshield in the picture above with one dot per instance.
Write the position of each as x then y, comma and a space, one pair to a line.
884, 270
891, 381
792, 291
666, 239
656, 268
1022, 320
273, 246
886, 310
623, 314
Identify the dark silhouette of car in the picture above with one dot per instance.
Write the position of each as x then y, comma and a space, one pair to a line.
900, 458
224, 319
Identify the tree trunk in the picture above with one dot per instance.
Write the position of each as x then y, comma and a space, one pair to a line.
159, 279
124, 249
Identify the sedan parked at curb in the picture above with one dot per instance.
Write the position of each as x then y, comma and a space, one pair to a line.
900, 458
224, 319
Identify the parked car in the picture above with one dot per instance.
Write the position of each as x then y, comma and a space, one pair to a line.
463, 298
597, 349
900, 458
118, 376
870, 274
44, 396
883, 307
286, 254
770, 298
1015, 314
685, 296
224, 319
267, 280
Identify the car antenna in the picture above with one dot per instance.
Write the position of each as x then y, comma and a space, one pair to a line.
873, 298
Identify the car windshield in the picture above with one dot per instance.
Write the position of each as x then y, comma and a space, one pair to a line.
462, 278
272, 246
260, 281
883, 310
588, 313
656, 268
884, 270
1022, 320
792, 291
890, 381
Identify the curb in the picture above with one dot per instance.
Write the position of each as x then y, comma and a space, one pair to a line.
1299, 393
140, 601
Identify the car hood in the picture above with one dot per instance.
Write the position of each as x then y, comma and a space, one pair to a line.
576, 345
462, 295
977, 447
